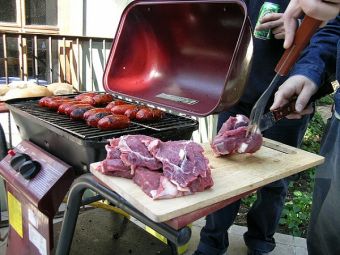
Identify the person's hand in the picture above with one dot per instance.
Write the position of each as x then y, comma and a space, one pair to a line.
318, 9
273, 21
296, 85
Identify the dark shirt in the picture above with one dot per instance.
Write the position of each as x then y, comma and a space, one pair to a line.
265, 57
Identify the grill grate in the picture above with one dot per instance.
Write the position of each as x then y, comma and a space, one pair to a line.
83, 131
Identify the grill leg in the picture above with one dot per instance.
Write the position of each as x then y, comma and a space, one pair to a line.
87, 181
3, 144
173, 248
70, 220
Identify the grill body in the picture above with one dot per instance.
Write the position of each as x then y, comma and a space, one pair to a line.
80, 145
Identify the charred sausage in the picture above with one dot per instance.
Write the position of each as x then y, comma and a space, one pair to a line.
70, 108
95, 111
62, 107
131, 113
44, 101
97, 100
93, 119
102, 99
87, 94
121, 109
111, 122
114, 103
54, 104
149, 114
78, 112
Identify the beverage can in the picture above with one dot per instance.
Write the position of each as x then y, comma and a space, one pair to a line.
266, 8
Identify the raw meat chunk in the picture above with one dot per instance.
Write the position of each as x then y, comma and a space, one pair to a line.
232, 138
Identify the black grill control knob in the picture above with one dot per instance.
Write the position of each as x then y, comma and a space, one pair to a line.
30, 169
18, 159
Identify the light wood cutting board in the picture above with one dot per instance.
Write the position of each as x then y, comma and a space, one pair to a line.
232, 175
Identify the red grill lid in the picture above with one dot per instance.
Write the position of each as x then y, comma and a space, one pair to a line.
188, 56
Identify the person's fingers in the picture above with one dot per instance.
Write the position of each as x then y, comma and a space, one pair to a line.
290, 28
294, 116
271, 17
278, 30
306, 111
269, 25
280, 36
282, 96
303, 98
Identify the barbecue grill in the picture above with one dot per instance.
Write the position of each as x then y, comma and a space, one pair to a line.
78, 144
188, 57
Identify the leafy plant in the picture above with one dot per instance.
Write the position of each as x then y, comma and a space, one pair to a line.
296, 212
326, 100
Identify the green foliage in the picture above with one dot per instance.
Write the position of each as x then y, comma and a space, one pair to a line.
313, 135
326, 100
249, 200
296, 212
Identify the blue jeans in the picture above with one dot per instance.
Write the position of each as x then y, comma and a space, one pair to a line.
324, 229
264, 215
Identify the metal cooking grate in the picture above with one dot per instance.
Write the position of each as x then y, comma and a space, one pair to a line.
83, 131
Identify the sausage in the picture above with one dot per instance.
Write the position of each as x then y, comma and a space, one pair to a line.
121, 109
97, 100
131, 113
114, 103
95, 111
102, 99
44, 101
93, 119
111, 122
54, 104
62, 107
149, 114
87, 94
70, 108
78, 112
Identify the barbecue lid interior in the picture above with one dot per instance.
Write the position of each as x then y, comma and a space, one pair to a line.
177, 54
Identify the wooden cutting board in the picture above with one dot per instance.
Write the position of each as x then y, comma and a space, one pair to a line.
232, 175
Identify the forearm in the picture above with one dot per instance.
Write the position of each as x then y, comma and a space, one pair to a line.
320, 55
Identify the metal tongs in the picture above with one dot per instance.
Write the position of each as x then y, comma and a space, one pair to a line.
288, 59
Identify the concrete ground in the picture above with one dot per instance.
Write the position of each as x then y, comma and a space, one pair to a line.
96, 233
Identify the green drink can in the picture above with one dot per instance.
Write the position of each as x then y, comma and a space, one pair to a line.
266, 8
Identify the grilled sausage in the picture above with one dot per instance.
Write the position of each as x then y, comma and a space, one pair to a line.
131, 113
95, 111
111, 122
121, 109
62, 107
87, 94
149, 114
93, 119
102, 99
97, 100
78, 112
70, 108
44, 101
54, 104
114, 103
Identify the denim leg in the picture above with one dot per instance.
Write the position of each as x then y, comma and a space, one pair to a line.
324, 229
214, 235
264, 216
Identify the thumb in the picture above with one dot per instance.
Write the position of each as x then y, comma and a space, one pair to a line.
304, 97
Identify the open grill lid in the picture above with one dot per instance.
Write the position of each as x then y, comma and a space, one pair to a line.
188, 56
